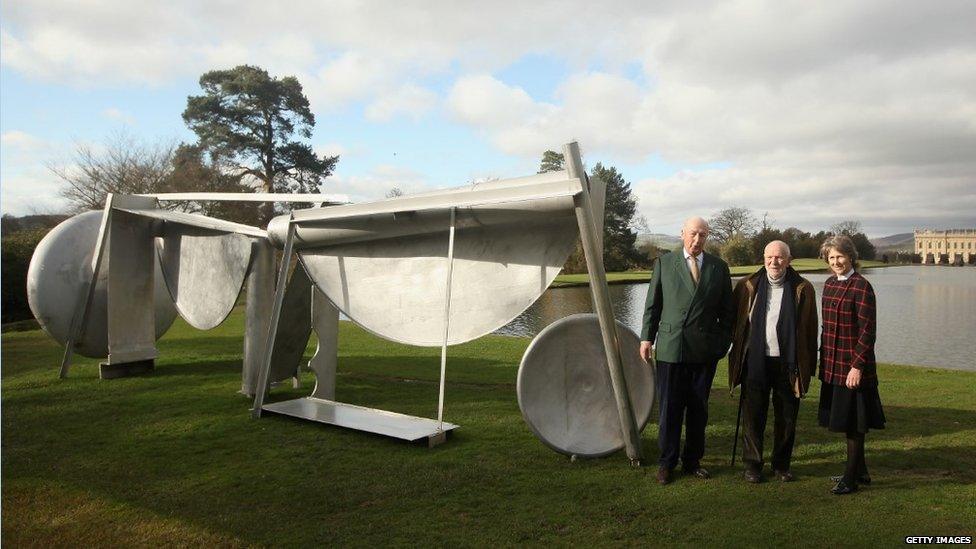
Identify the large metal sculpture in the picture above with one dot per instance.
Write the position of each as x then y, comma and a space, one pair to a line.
448, 267
435, 269
108, 284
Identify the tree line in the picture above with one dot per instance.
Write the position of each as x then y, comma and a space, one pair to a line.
740, 237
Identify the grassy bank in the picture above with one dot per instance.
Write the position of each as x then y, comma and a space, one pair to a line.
804, 265
174, 458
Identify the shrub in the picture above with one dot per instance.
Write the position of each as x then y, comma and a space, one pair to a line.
16, 250
737, 251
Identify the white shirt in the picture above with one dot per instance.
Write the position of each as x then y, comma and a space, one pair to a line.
846, 275
699, 258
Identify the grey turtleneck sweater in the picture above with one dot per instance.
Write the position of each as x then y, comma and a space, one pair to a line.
774, 300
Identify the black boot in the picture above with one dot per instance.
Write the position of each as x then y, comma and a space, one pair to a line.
855, 458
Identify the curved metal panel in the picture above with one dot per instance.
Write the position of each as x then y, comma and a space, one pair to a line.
564, 388
394, 287
204, 272
58, 275
294, 327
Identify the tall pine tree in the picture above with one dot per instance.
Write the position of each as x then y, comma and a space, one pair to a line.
619, 239
249, 119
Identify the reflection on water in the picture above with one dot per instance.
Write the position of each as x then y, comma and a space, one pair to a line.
926, 314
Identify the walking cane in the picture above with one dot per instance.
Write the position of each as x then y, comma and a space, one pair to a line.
738, 420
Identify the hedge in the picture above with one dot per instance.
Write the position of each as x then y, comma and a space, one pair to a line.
16, 250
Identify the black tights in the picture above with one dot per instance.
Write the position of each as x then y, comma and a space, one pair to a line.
855, 458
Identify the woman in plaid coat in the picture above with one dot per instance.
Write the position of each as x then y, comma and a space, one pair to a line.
849, 400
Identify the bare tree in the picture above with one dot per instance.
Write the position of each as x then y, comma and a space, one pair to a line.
731, 222
639, 224
124, 165
849, 227
121, 165
394, 192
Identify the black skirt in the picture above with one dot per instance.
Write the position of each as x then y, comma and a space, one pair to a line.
846, 410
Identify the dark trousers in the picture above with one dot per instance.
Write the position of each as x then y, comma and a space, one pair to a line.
682, 395
755, 405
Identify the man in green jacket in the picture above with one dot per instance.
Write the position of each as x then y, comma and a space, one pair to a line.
687, 327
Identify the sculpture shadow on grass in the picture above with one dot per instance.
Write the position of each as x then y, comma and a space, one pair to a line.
176, 368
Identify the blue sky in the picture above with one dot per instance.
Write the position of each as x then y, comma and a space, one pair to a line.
814, 113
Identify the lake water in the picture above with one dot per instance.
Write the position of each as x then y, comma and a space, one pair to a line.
926, 314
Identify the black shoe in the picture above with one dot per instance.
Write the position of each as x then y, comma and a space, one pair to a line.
663, 475
699, 472
784, 476
843, 488
864, 479
753, 476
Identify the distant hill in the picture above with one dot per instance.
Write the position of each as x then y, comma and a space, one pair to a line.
901, 242
665, 241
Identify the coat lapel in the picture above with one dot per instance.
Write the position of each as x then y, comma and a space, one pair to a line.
708, 266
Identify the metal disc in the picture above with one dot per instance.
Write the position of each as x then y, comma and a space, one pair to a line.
564, 388
60, 270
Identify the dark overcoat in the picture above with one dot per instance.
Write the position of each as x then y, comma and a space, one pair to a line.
805, 299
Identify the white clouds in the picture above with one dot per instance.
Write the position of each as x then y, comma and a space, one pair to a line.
118, 115
20, 141
595, 108
350, 76
409, 100
31, 192
331, 149
347, 44
376, 183
885, 200
486, 101
801, 100
798, 98
27, 186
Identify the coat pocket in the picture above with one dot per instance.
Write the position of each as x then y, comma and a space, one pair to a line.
664, 327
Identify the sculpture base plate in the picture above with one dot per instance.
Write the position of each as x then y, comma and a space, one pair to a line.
126, 369
370, 420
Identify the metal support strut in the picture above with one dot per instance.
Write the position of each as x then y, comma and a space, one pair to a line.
262, 389
447, 318
602, 305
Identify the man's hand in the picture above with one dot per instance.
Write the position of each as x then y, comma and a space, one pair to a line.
853, 378
646, 351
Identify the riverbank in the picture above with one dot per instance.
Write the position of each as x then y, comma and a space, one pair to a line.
803, 265
174, 459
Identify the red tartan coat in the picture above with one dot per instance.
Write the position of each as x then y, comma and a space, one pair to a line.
849, 328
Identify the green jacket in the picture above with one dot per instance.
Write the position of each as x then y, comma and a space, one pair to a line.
692, 325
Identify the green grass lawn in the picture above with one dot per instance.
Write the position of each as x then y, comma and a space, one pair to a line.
174, 458
803, 265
